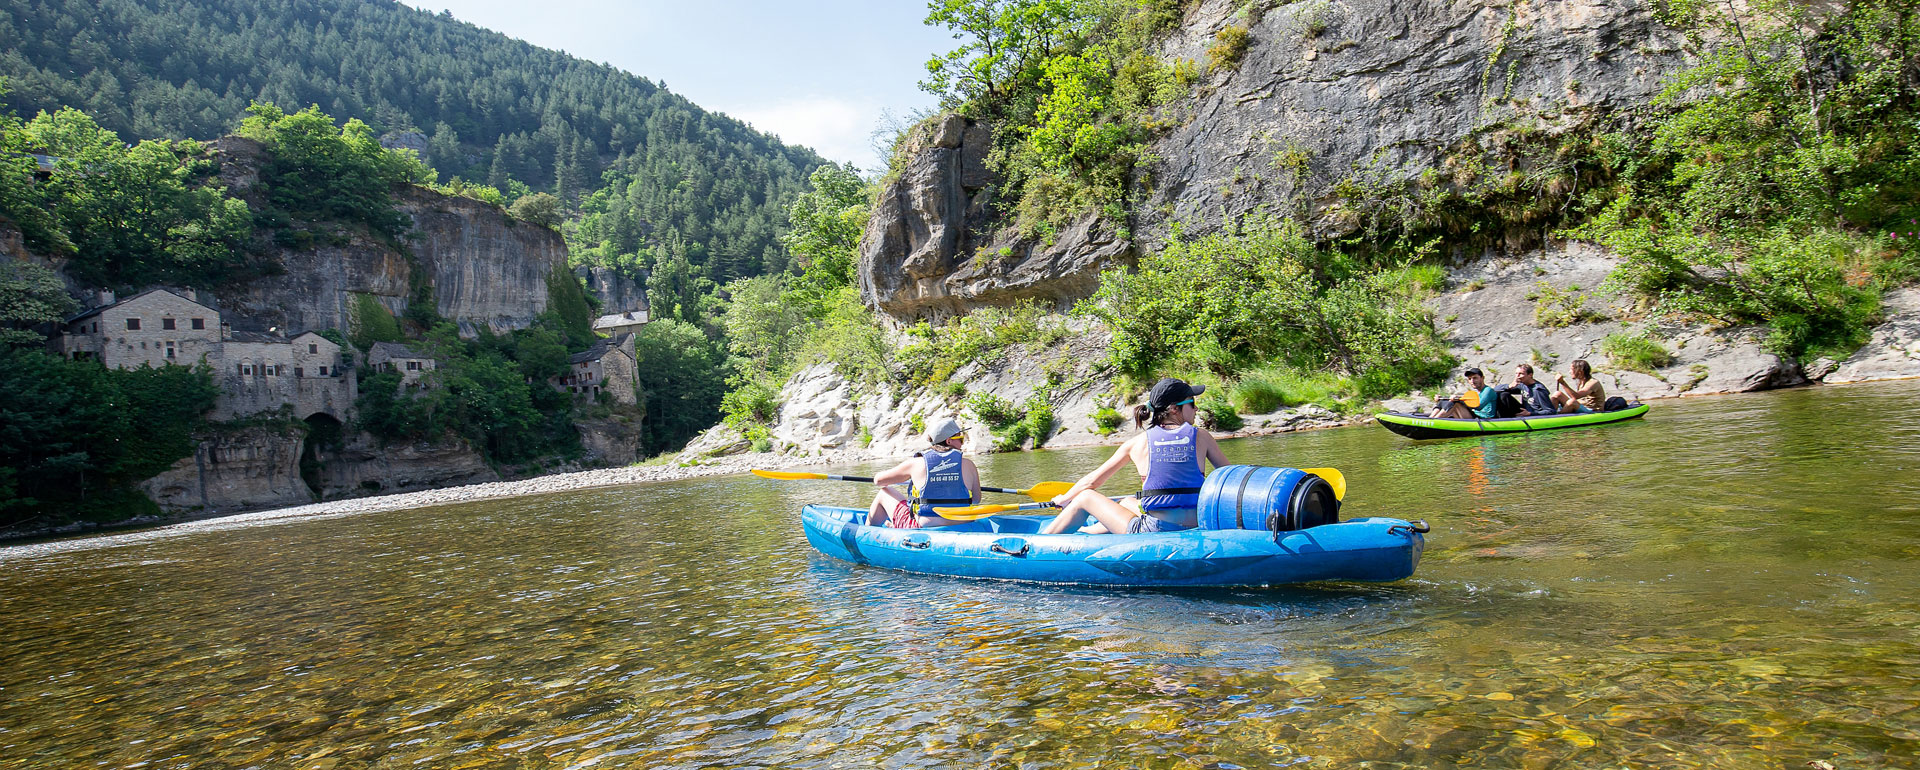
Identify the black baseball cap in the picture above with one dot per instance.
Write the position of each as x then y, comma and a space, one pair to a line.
1170, 391
1472, 371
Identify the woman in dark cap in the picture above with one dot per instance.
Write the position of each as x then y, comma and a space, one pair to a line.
1170, 456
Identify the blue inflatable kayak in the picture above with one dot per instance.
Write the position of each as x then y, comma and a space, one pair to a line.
1006, 548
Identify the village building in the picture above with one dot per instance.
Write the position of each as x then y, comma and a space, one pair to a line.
395, 357
609, 367
255, 371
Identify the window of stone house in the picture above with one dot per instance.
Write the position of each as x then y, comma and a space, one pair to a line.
166, 324
413, 366
299, 372
323, 371
133, 324
313, 347
169, 348
245, 369
199, 323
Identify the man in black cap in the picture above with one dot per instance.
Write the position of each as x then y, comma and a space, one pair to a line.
1477, 403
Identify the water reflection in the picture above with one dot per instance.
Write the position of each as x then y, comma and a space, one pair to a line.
1725, 584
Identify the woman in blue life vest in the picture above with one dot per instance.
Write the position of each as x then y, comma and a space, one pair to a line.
1169, 456
937, 476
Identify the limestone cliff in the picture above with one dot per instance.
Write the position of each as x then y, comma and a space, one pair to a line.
926, 251
484, 268
1382, 90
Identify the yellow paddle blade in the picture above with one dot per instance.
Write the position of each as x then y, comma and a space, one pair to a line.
787, 475
1048, 490
1334, 479
971, 512
1471, 398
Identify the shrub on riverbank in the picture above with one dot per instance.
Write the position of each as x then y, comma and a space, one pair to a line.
78, 436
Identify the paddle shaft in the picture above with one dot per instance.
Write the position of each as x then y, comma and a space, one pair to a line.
869, 480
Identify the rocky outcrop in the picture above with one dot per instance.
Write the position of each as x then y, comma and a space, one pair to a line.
1380, 90
363, 466
485, 268
926, 251
253, 467
616, 292
1894, 351
609, 441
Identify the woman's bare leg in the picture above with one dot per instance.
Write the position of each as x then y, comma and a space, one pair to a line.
1103, 509
882, 507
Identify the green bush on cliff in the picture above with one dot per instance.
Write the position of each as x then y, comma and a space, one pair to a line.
1262, 293
129, 217
1769, 192
79, 436
322, 172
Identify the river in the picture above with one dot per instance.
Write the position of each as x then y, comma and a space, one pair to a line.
1731, 582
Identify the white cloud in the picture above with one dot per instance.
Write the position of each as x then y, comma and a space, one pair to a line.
836, 128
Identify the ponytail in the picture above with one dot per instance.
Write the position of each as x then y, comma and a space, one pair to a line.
1144, 415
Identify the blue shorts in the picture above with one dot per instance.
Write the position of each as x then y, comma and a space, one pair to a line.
1581, 409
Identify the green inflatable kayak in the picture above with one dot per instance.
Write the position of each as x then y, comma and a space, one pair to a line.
1419, 427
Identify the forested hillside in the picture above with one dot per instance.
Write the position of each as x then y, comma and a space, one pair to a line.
665, 178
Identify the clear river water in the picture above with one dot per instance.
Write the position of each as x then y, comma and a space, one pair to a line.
1733, 582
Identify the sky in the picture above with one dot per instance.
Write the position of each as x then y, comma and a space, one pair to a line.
819, 74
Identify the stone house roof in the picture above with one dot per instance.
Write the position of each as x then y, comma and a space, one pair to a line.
257, 337
394, 350
85, 314
617, 320
601, 347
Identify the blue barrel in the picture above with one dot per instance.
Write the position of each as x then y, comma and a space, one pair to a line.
1263, 498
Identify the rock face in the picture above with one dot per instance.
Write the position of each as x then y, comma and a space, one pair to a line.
486, 269
362, 466
616, 292
1894, 350
1380, 89
610, 441
246, 468
925, 254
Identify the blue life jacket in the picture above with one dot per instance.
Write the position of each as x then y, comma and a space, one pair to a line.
946, 485
1174, 472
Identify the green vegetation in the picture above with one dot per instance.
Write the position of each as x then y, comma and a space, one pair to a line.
126, 216
1636, 352
30, 295
1106, 420
1555, 308
1766, 192
1265, 293
491, 391
1071, 92
372, 322
936, 352
320, 172
78, 436
1217, 411
1013, 426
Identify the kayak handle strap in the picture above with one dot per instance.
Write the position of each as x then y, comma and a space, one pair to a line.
1419, 526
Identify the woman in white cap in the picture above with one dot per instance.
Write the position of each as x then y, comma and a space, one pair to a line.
1169, 456
937, 476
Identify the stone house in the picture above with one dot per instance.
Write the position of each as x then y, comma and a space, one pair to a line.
610, 367
255, 371
395, 357
155, 327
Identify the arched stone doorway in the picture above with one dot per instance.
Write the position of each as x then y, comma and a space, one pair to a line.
324, 432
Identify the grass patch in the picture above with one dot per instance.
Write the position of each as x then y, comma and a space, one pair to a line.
1636, 352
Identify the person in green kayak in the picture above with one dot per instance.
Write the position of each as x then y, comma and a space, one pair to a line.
1477, 403
1582, 394
1170, 457
937, 476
